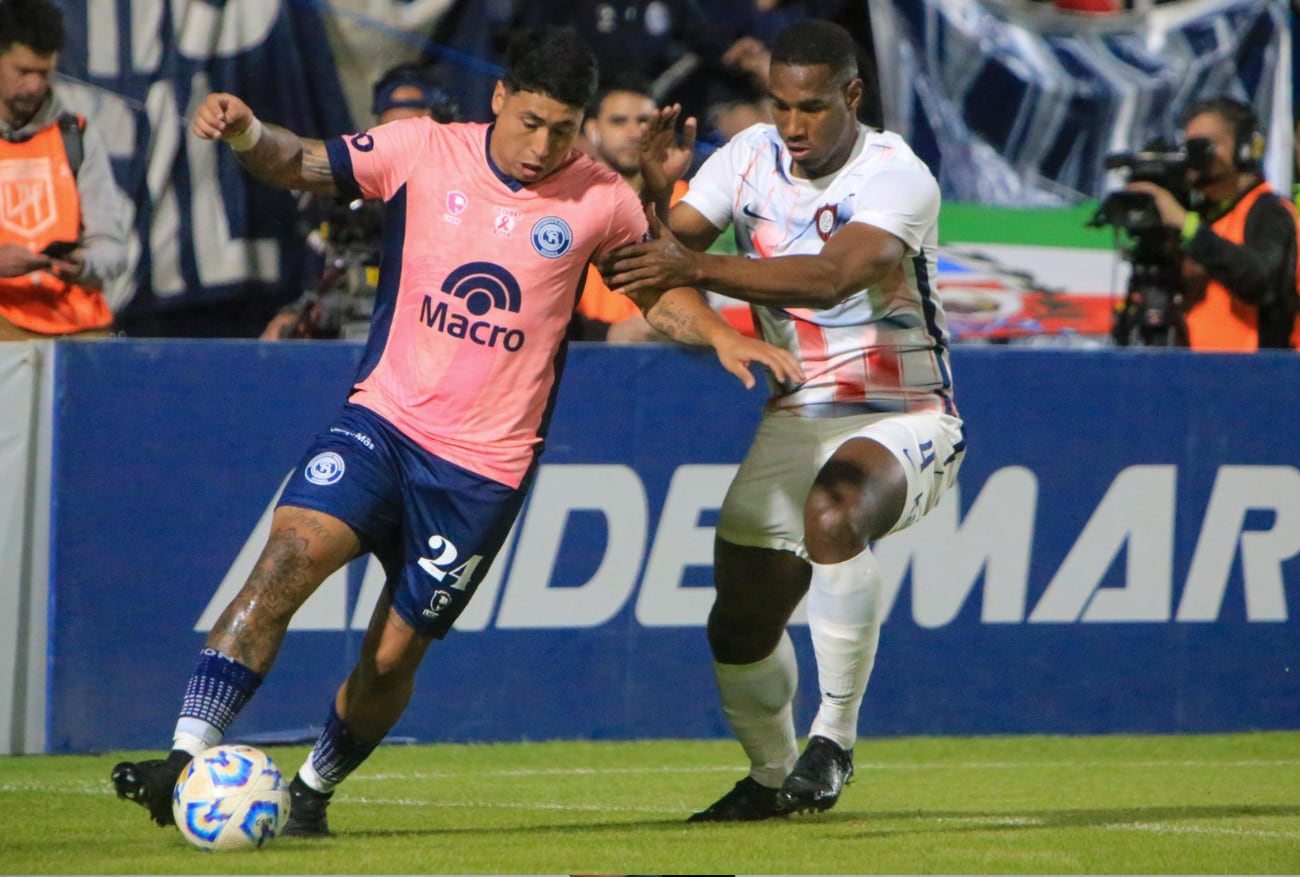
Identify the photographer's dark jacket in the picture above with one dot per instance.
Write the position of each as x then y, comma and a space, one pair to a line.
1249, 253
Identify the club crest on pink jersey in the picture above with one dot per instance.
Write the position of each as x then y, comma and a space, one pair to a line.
552, 237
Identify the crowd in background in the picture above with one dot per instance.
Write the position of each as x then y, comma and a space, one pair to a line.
709, 57
706, 56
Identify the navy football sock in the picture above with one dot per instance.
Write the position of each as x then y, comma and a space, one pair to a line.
218, 690
337, 752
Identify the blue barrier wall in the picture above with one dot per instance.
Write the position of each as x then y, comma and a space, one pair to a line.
1121, 554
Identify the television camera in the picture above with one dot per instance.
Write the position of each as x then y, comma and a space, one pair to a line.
346, 237
1152, 311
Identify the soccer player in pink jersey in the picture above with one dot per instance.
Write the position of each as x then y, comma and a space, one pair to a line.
487, 233
837, 226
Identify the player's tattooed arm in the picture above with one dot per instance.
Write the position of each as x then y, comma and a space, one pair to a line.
677, 313
683, 315
283, 159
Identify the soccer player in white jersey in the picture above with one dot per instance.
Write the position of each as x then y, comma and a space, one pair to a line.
488, 231
836, 224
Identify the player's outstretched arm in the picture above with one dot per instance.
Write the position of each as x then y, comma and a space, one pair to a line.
684, 316
856, 256
275, 155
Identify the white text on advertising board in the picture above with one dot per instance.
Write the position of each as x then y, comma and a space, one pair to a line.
990, 546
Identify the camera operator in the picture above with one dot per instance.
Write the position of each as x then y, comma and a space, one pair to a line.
1239, 243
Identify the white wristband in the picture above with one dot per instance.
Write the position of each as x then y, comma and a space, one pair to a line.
247, 139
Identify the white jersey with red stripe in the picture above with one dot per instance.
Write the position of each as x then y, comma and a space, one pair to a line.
884, 348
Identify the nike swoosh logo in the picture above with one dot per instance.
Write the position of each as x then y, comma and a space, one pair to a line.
748, 212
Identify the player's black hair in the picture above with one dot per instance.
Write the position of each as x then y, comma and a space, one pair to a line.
36, 24
437, 100
619, 81
553, 61
816, 42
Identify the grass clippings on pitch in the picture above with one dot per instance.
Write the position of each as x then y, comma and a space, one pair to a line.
1213, 804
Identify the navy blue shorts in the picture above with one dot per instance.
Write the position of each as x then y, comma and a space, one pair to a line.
434, 526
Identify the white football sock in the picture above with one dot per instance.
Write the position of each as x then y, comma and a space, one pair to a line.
313, 779
756, 699
194, 735
844, 620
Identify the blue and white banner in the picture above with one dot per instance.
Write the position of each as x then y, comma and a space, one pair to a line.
1019, 103
1121, 555
204, 233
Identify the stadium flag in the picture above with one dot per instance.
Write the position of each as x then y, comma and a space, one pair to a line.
1028, 275
1019, 104
203, 232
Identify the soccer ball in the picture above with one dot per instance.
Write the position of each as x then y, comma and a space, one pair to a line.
230, 798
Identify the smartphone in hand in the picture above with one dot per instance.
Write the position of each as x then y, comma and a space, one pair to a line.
59, 249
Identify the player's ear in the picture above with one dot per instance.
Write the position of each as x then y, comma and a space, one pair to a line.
498, 97
853, 93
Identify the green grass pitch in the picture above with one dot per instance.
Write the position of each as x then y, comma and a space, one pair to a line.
1212, 804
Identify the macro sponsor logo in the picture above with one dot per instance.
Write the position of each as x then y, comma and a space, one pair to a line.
482, 287
1249, 523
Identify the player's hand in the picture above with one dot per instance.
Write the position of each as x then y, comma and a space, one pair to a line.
662, 262
1171, 212
665, 158
222, 117
737, 353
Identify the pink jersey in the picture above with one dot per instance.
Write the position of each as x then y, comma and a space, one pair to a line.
479, 276
882, 349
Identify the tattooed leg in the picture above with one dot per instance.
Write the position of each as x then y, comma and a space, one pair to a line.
304, 548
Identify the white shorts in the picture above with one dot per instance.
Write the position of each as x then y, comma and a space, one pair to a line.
765, 503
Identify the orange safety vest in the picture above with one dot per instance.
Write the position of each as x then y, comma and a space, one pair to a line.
1219, 321
39, 204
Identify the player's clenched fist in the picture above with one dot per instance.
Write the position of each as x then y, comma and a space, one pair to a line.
222, 117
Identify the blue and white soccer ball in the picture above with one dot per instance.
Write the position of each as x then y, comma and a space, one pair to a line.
230, 798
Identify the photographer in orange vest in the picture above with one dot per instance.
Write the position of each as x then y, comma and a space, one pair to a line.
1240, 242
63, 220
